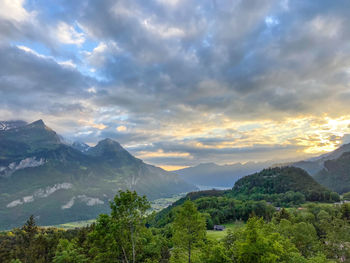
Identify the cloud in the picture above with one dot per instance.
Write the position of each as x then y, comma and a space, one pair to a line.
182, 81
13, 10
67, 34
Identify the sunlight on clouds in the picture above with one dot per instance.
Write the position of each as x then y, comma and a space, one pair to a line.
90, 123
121, 128
300, 137
172, 167
161, 153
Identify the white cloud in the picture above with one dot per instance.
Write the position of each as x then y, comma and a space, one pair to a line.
31, 51
326, 26
169, 2
67, 34
97, 57
13, 10
68, 63
163, 30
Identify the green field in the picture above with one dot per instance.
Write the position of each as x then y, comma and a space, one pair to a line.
218, 235
76, 224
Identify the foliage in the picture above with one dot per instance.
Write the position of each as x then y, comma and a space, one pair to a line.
121, 235
313, 233
68, 252
189, 229
346, 196
291, 181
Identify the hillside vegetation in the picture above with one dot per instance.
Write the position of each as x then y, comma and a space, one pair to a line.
314, 234
274, 181
336, 174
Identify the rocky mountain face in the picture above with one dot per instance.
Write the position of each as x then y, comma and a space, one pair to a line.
59, 183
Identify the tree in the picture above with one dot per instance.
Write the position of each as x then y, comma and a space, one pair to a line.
345, 211
120, 235
257, 242
68, 253
346, 196
189, 228
27, 250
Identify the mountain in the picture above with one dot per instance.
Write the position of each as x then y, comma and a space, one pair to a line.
7, 125
80, 146
281, 180
57, 183
336, 174
316, 164
213, 175
330, 170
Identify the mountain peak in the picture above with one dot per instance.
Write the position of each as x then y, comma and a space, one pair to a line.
109, 143
108, 148
38, 123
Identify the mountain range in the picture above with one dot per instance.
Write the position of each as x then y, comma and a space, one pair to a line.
332, 170
211, 175
57, 183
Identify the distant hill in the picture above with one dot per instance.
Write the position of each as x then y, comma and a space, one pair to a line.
336, 174
281, 180
213, 175
57, 183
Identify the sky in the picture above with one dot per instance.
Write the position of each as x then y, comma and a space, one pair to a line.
182, 82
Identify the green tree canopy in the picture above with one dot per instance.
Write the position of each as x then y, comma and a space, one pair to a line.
189, 229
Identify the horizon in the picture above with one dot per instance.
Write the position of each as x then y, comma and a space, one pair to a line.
169, 168
179, 83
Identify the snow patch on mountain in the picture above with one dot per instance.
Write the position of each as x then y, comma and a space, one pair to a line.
89, 201
69, 204
25, 163
41, 193
14, 203
8, 125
